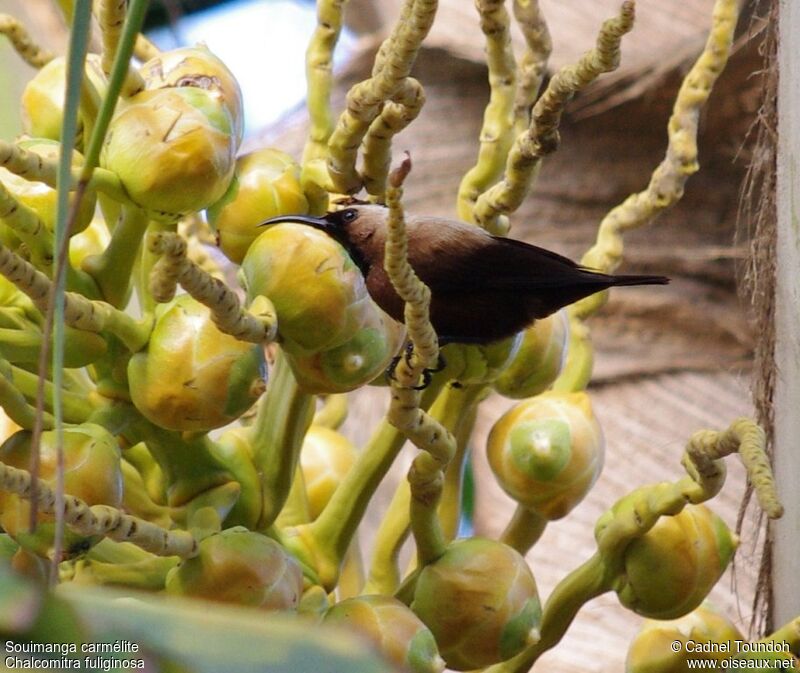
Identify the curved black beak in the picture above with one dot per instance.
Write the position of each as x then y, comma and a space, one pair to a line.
316, 222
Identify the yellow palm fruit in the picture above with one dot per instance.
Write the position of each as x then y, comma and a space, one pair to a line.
670, 570
356, 362
197, 67
41, 198
93, 240
191, 376
702, 634
240, 566
547, 452
266, 184
91, 472
538, 361
326, 457
480, 601
43, 97
476, 364
318, 292
394, 629
173, 150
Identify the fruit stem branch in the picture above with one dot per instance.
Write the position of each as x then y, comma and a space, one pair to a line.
23, 43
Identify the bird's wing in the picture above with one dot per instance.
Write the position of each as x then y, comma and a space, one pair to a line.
493, 263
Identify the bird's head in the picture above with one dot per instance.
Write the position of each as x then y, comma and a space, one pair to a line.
360, 229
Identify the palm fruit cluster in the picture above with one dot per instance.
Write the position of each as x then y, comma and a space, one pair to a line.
187, 440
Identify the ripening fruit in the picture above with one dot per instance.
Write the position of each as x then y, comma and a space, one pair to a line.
653, 648
480, 601
538, 361
266, 184
173, 150
240, 566
356, 362
43, 97
318, 292
191, 376
91, 472
394, 629
670, 570
326, 457
41, 198
547, 452
473, 364
197, 67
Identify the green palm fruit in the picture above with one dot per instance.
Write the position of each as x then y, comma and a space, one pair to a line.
538, 361
394, 629
240, 566
318, 292
197, 67
191, 376
41, 198
43, 97
653, 648
266, 184
358, 361
325, 458
480, 601
173, 149
91, 472
547, 452
476, 364
670, 570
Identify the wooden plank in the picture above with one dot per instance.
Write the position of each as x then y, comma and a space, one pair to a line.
786, 550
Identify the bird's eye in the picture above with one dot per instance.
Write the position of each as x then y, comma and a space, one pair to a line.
349, 215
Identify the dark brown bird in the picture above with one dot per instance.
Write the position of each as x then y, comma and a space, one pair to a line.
483, 287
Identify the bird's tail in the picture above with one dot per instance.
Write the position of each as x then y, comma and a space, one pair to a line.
638, 280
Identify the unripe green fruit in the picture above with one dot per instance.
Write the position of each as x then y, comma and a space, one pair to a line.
653, 648
319, 294
197, 67
480, 601
173, 150
394, 629
243, 567
191, 376
91, 473
538, 361
547, 452
670, 570
358, 361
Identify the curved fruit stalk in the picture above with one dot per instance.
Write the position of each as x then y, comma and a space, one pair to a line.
394, 629
266, 183
197, 67
480, 601
653, 649
670, 570
547, 452
538, 361
191, 376
91, 473
173, 149
243, 567
318, 292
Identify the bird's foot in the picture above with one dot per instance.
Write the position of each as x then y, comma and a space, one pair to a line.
427, 373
